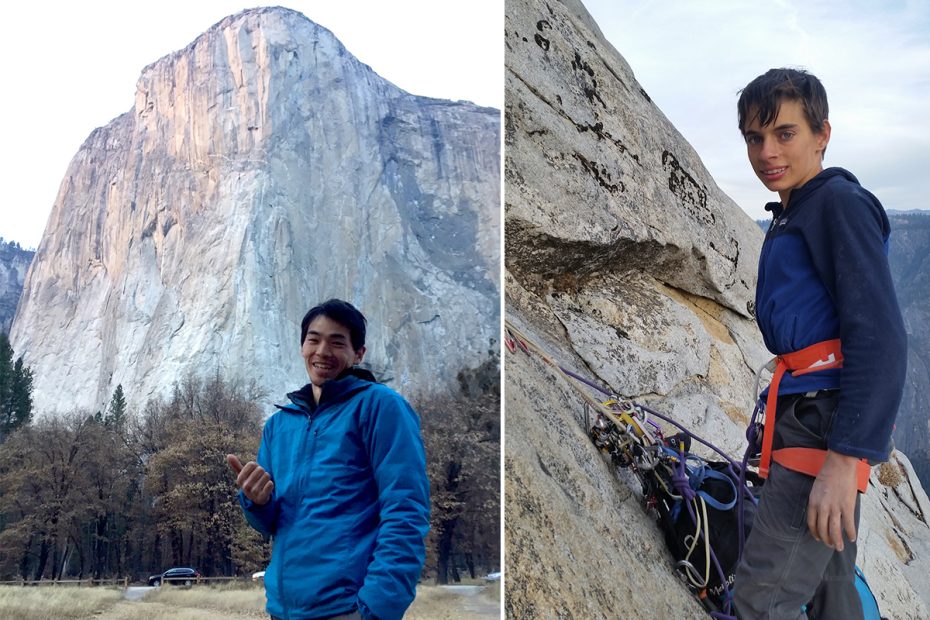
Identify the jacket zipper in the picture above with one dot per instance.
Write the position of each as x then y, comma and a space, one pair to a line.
308, 459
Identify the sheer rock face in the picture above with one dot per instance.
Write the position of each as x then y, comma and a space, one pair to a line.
264, 169
627, 264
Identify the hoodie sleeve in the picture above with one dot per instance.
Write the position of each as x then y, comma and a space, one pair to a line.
848, 244
262, 517
395, 448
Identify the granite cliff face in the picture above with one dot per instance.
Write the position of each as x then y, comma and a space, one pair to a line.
14, 262
263, 169
627, 264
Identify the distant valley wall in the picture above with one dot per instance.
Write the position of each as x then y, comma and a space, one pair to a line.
909, 256
14, 263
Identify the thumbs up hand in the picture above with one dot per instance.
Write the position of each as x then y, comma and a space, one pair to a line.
254, 481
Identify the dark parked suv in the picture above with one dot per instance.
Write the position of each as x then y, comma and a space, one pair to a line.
176, 577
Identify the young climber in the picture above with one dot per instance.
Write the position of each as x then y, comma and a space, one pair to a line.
826, 305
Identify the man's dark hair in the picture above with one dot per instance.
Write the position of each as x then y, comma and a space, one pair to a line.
343, 313
762, 98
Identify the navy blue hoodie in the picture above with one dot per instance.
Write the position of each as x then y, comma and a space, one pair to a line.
823, 274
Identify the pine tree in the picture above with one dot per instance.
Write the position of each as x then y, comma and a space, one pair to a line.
15, 390
116, 412
6, 367
21, 393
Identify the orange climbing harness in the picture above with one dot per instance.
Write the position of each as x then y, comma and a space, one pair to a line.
819, 356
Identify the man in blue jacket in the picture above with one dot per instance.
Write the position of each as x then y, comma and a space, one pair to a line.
340, 484
826, 305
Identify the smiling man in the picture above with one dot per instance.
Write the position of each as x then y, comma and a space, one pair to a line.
340, 484
826, 305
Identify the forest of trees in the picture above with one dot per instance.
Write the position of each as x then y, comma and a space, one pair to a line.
111, 494
136, 489
463, 456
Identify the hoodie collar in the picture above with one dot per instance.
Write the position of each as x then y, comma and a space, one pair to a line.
350, 381
800, 194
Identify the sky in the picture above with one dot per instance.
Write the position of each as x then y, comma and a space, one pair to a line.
873, 58
69, 68
75, 70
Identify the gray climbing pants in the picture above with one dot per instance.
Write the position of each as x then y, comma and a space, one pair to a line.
784, 571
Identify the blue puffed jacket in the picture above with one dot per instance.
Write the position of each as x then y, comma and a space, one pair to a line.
350, 506
823, 274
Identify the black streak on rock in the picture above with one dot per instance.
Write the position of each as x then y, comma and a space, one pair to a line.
592, 94
543, 465
598, 130
578, 64
542, 25
689, 193
600, 174
732, 255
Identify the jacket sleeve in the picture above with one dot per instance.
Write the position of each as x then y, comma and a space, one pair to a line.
395, 449
263, 518
849, 249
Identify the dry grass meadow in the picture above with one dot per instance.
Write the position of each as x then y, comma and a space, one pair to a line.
233, 602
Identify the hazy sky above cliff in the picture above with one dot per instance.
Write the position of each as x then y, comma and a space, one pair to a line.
72, 67
873, 58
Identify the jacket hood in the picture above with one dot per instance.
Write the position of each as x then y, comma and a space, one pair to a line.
799, 194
